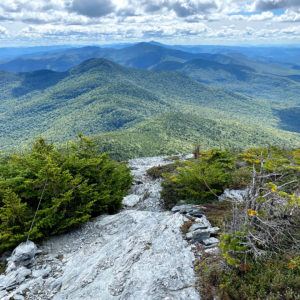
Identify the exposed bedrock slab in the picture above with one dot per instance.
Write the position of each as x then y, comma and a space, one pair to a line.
137, 255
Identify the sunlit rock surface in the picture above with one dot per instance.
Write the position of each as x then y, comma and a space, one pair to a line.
139, 253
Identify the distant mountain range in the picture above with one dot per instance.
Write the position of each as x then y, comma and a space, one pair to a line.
278, 83
99, 96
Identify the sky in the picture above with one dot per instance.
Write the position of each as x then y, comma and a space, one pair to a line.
193, 22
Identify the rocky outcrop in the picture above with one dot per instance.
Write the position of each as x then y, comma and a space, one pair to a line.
201, 231
139, 253
237, 195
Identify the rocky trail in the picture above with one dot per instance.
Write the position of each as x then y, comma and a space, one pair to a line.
139, 253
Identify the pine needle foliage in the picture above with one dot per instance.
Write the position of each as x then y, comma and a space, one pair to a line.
78, 184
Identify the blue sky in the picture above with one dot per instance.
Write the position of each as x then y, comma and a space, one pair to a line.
232, 22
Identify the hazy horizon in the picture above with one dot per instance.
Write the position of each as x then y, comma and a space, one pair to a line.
180, 22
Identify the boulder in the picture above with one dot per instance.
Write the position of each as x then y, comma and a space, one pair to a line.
18, 297
41, 273
200, 235
233, 194
23, 255
203, 221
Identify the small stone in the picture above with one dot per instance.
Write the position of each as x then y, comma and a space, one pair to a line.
56, 284
42, 273
212, 250
189, 235
203, 221
198, 226
18, 297
210, 241
131, 200
60, 297
213, 230
196, 213
14, 278
179, 208
200, 235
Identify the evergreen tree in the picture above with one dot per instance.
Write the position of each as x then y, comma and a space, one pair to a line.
73, 186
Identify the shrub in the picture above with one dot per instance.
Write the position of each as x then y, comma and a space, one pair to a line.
75, 186
157, 172
201, 180
268, 220
241, 178
271, 278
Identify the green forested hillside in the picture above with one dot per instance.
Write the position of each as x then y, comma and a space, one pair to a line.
174, 133
290, 118
239, 78
274, 82
99, 96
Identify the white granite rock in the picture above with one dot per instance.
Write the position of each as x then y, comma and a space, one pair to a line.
23, 255
237, 195
14, 278
210, 241
135, 254
131, 200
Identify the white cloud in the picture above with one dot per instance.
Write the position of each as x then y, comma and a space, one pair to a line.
190, 21
3, 31
289, 16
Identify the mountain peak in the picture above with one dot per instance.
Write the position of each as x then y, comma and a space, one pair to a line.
145, 45
94, 63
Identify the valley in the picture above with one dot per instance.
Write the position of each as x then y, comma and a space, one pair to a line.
99, 96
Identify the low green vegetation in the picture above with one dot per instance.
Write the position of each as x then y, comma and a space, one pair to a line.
74, 186
100, 96
201, 180
269, 278
173, 133
157, 172
260, 243
204, 179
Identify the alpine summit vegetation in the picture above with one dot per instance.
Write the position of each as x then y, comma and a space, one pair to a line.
78, 184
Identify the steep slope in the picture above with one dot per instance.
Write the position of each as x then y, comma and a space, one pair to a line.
99, 95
